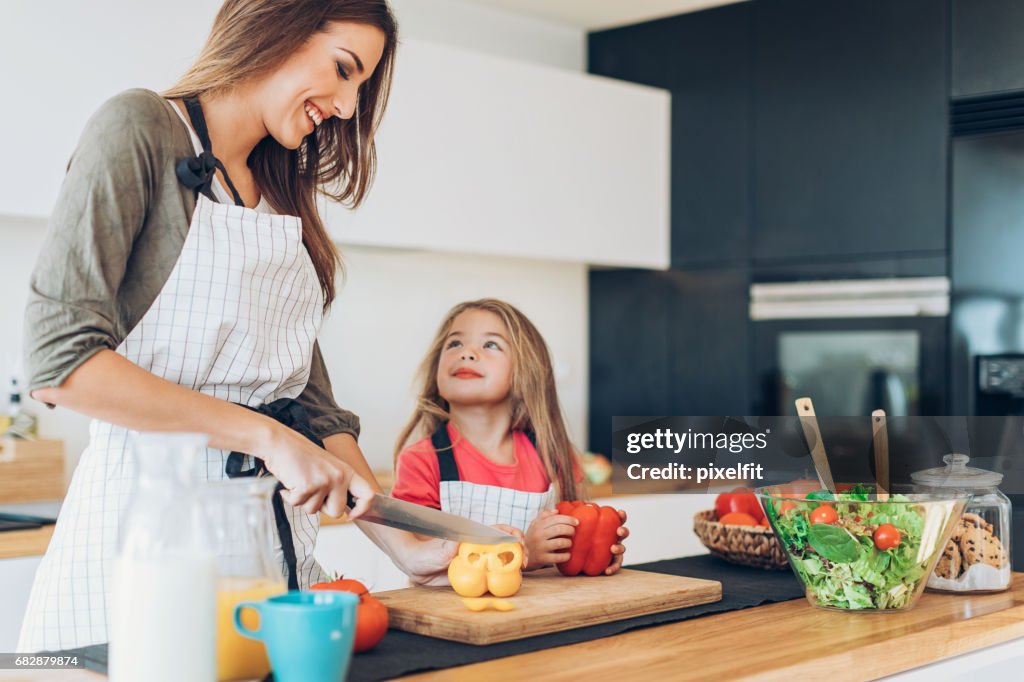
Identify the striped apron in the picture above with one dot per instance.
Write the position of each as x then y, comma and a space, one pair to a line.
236, 320
487, 504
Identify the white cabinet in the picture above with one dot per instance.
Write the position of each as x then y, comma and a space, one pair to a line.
16, 576
660, 526
482, 154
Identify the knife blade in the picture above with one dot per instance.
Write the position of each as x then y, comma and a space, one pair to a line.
388, 511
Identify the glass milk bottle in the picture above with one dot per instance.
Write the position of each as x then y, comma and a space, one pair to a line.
240, 518
162, 620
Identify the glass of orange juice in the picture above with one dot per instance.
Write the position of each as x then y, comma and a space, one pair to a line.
241, 519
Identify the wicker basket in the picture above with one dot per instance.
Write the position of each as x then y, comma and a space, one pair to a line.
747, 545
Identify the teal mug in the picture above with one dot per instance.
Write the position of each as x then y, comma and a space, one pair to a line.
308, 635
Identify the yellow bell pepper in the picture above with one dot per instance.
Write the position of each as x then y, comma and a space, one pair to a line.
484, 603
477, 569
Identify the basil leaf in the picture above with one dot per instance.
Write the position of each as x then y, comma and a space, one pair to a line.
834, 543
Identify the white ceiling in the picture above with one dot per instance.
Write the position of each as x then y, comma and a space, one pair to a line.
597, 14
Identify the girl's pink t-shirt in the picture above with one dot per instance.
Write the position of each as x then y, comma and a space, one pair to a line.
418, 476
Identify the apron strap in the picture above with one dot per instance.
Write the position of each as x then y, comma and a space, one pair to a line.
197, 173
445, 453
290, 413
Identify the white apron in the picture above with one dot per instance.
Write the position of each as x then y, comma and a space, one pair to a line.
487, 504
236, 319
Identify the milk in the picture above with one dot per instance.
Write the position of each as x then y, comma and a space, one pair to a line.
163, 626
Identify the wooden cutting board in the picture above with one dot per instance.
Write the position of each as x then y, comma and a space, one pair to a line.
547, 602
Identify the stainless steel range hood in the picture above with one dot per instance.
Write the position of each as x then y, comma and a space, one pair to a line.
897, 297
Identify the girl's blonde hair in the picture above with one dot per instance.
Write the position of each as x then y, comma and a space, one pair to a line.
250, 39
534, 400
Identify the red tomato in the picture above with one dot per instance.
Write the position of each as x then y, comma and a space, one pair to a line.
824, 514
887, 536
738, 501
786, 507
764, 522
371, 615
738, 519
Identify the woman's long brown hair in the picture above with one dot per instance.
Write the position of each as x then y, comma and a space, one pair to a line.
251, 38
534, 399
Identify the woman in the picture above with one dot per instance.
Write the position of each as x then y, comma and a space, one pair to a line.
184, 278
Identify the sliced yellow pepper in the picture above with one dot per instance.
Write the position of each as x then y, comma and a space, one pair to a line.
484, 603
477, 569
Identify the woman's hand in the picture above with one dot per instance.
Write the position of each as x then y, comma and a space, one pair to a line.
314, 480
619, 549
549, 538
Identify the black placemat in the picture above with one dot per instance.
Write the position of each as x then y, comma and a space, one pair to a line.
403, 653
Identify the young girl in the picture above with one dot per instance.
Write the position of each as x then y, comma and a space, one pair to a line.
496, 448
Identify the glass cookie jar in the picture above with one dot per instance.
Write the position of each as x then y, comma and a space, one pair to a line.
977, 556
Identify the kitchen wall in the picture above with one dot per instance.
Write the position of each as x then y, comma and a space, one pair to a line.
387, 312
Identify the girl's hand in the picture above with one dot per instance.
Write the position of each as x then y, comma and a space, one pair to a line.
512, 530
549, 537
618, 550
426, 561
314, 480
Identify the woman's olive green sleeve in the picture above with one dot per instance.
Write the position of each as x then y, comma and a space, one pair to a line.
73, 310
325, 416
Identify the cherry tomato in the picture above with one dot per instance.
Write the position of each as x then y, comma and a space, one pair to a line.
786, 507
887, 536
824, 514
738, 519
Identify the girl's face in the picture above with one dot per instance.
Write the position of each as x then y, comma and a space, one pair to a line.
476, 360
320, 80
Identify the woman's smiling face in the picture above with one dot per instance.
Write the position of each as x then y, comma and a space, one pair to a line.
475, 367
320, 80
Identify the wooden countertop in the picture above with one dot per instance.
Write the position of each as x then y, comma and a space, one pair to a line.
22, 543
788, 640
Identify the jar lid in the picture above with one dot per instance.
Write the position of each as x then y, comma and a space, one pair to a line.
956, 474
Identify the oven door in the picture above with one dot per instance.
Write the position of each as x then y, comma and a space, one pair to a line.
853, 347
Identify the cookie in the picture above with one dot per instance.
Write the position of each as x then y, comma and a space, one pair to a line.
976, 520
950, 562
972, 545
994, 554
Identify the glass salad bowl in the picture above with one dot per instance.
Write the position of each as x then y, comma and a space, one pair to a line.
854, 552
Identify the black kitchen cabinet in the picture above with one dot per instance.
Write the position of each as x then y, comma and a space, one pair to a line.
666, 343
630, 347
704, 60
988, 46
850, 128
711, 352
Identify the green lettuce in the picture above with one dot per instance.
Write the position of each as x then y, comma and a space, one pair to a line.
840, 565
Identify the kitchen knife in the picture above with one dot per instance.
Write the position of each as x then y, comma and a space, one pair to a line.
387, 511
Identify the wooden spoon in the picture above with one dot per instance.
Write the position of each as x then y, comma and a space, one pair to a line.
809, 422
881, 439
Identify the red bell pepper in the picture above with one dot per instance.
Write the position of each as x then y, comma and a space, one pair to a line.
591, 550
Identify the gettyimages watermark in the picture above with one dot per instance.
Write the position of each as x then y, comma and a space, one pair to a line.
674, 454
